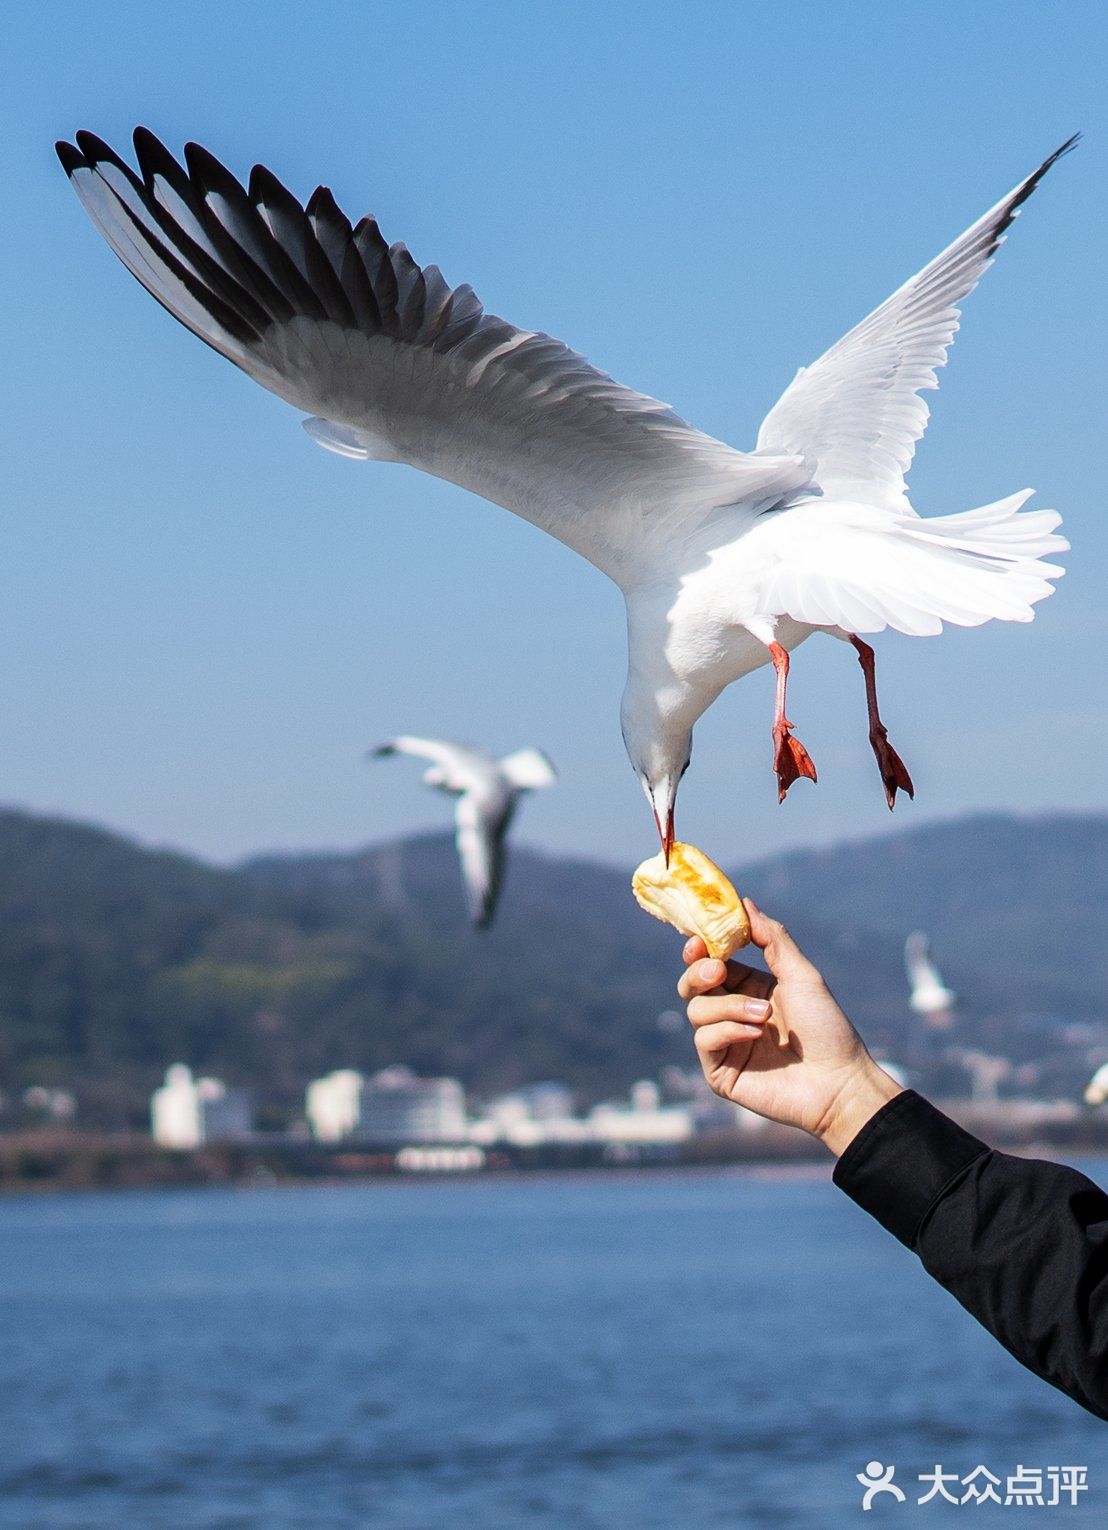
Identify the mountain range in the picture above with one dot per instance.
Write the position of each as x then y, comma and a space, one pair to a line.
116, 959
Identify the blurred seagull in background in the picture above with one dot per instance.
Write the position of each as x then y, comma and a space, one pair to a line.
929, 996
727, 559
1096, 1090
487, 791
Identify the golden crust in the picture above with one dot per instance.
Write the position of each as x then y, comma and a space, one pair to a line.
693, 895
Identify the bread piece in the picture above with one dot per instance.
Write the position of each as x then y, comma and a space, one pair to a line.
694, 896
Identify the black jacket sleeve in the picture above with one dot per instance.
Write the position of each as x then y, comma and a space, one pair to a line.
1022, 1244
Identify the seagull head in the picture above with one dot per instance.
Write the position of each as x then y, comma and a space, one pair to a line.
657, 716
660, 780
662, 796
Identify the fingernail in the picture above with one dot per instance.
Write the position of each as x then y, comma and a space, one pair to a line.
709, 971
751, 1030
756, 1009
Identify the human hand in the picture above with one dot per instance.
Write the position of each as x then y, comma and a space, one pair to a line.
823, 1080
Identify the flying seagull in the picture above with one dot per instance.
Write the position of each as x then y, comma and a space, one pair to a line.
1096, 1090
727, 559
929, 996
487, 791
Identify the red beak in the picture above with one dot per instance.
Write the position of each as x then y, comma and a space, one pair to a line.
665, 834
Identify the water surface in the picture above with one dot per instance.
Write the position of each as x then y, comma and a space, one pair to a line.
653, 1350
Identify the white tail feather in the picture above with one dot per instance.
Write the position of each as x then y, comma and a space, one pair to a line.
914, 574
528, 769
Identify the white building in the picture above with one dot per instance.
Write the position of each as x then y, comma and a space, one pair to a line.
535, 1114
392, 1107
333, 1105
538, 1102
187, 1112
539, 1116
396, 1106
643, 1120
508, 1123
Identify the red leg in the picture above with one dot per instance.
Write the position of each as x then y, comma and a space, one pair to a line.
889, 763
790, 758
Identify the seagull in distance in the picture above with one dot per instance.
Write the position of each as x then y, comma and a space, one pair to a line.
1096, 1090
487, 792
929, 995
727, 559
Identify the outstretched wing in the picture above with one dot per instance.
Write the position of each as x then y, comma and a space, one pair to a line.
459, 766
528, 769
857, 411
921, 970
393, 363
481, 849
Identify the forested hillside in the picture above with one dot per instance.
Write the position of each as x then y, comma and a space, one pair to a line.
115, 959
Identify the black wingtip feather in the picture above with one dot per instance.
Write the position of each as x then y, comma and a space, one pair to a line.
209, 174
1029, 185
264, 257
1066, 148
71, 157
154, 158
264, 186
95, 149
322, 204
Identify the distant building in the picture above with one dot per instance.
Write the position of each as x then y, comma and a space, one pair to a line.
533, 1106
187, 1112
333, 1105
58, 1104
986, 1073
462, 1159
540, 1116
396, 1106
710, 1113
392, 1107
548, 1101
536, 1115
644, 1120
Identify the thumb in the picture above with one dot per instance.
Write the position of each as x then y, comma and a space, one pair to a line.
694, 950
784, 958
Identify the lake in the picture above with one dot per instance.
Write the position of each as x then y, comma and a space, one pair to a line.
725, 1348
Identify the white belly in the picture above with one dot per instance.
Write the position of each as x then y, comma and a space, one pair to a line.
714, 633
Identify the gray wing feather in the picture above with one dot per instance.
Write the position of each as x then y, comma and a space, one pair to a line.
399, 365
856, 412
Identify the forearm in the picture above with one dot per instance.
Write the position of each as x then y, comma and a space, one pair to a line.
1022, 1244
866, 1090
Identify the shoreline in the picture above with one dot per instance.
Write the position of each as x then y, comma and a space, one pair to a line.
46, 1162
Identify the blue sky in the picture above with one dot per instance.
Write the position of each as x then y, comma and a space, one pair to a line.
205, 620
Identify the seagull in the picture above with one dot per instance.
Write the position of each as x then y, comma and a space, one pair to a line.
1096, 1090
487, 791
727, 559
929, 996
